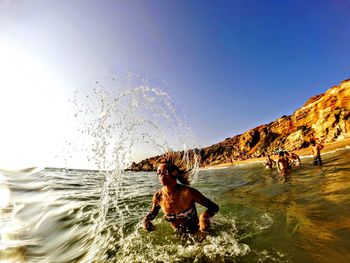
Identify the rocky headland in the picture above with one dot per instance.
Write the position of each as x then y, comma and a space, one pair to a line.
325, 116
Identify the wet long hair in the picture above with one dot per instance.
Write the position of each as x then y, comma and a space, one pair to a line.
179, 162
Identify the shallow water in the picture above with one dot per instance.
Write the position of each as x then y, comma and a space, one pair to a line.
58, 215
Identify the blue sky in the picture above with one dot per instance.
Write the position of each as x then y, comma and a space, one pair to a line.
230, 65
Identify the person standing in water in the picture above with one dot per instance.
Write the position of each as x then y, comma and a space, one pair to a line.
316, 151
269, 163
295, 159
177, 201
282, 164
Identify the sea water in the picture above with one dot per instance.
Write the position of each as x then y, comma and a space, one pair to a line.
67, 215
52, 215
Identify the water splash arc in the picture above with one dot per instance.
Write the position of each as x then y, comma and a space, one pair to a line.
116, 128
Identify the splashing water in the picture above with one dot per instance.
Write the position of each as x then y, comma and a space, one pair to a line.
153, 247
65, 215
116, 127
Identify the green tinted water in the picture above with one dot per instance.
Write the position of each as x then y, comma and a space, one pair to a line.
54, 215
304, 219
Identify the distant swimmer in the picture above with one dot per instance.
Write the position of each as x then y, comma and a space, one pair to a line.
282, 164
293, 159
269, 163
178, 201
316, 151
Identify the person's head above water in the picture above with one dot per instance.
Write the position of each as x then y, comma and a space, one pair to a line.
171, 167
177, 201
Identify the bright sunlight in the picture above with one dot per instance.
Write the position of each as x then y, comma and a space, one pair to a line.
29, 109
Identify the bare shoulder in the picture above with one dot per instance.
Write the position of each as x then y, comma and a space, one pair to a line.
190, 191
187, 190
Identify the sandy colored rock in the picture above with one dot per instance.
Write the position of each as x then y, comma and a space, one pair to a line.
325, 116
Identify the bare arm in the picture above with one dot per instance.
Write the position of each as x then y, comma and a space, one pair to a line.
147, 223
213, 208
278, 165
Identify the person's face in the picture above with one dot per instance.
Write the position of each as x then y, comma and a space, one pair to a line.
165, 177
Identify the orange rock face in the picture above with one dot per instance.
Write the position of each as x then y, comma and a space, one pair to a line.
325, 116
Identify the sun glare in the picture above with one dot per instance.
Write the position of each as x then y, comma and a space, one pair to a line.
29, 103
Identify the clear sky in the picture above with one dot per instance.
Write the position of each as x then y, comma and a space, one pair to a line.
231, 65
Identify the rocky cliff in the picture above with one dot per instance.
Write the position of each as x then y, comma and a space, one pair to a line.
325, 116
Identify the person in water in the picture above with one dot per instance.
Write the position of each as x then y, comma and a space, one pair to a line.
269, 163
282, 164
177, 201
316, 151
295, 159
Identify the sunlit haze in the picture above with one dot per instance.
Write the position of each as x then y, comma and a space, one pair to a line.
229, 65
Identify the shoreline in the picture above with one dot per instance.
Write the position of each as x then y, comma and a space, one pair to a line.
306, 152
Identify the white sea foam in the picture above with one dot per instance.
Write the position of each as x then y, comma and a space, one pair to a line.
221, 245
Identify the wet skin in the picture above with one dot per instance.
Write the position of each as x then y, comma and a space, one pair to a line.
176, 198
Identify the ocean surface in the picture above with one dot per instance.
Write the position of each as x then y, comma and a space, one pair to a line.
60, 215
